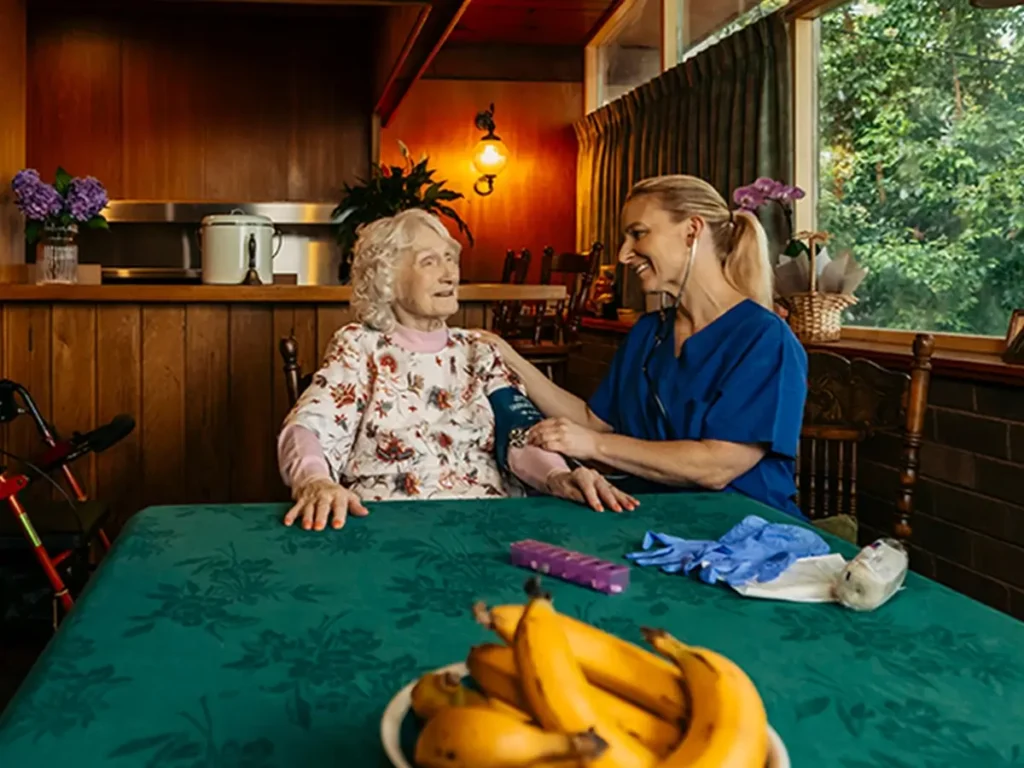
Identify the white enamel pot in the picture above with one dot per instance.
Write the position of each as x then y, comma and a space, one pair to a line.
229, 242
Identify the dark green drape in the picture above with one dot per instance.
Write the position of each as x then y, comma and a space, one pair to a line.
723, 115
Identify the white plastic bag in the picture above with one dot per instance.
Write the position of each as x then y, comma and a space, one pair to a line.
865, 583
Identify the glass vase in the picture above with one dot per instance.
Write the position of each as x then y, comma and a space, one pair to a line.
57, 255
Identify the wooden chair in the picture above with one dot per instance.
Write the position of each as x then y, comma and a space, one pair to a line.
295, 383
848, 401
551, 335
506, 314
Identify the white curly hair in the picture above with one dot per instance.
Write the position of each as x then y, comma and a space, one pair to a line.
379, 246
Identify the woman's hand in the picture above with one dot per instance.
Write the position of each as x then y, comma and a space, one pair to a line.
507, 352
588, 486
564, 436
320, 499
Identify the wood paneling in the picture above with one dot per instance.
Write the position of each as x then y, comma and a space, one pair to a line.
491, 61
207, 421
27, 361
173, 101
202, 380
13, 79
74, 98
536, 22
73, 387
164, 405
118, 371
534, 199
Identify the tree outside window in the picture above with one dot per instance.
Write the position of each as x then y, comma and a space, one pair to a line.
921, 121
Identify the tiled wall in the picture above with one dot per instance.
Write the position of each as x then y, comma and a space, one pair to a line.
969, 514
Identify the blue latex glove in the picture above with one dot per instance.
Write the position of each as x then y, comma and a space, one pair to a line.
752, 550
674, 554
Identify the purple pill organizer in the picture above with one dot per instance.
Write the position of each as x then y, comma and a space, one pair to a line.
567, 565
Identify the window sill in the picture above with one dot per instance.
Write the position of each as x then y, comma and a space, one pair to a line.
973, 358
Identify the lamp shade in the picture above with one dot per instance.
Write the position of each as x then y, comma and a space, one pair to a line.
490, 156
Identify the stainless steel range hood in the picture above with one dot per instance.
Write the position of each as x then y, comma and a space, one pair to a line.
192, 212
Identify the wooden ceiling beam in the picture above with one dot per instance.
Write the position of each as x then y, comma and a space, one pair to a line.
420, 49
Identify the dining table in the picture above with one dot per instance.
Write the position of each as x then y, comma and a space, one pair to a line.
214, 635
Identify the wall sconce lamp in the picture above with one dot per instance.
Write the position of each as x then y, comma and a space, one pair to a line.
490, 154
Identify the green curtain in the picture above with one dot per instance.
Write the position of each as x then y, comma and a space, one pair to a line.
723, 115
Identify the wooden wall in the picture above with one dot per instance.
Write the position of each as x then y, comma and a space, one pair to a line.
203, 381
534, 200
175, 101
12, 124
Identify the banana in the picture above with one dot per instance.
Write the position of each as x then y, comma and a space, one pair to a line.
728, 726
482, 737
441, 689
625, 669
493, 668
554, 686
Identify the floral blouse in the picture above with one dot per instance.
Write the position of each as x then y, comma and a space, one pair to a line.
398, 424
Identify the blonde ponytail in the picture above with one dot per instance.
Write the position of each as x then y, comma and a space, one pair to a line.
746, 263
738, 236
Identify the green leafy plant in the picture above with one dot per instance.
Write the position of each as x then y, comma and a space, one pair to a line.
389, 190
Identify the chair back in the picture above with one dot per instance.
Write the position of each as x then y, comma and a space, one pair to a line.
847, 402
295, 383
505, 317
577, 272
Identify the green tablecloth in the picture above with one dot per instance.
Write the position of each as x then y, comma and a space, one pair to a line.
214, 636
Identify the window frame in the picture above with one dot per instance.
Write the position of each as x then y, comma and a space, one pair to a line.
805, 35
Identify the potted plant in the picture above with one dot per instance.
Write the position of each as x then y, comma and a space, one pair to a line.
389, 190
53, 214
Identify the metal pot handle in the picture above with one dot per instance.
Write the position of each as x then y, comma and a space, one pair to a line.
280, 242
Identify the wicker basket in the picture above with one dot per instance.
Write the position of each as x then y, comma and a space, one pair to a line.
817, 317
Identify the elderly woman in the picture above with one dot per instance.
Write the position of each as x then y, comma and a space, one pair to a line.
709, 395
400, 407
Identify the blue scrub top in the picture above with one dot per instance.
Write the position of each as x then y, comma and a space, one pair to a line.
741, 379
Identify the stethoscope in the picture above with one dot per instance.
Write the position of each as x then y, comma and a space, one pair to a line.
665, 327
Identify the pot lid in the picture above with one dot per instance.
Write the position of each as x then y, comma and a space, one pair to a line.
237, 218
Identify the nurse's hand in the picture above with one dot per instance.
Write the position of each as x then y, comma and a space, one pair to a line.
320, 499
588, 486
564, 436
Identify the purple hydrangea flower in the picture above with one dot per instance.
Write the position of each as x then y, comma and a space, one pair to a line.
86, 198
35, 198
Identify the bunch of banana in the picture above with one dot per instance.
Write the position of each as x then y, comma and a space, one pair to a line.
559, 693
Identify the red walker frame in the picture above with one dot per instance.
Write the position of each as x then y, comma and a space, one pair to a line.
12, 484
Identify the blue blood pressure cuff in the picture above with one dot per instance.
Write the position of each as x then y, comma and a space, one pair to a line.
514, 413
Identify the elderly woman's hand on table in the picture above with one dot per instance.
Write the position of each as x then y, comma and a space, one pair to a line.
321, 499
588, 486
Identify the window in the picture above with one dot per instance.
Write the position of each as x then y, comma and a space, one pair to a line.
630, 54
702, 23
921, 161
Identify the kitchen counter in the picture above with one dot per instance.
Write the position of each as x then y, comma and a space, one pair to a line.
256, 294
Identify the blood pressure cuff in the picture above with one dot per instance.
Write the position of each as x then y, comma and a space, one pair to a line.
512, 410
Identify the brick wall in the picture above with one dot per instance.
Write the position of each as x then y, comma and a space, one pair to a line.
969, 512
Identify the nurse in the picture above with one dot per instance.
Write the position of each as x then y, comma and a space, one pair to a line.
708, 394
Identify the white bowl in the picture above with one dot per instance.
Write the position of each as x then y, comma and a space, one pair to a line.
398, 708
